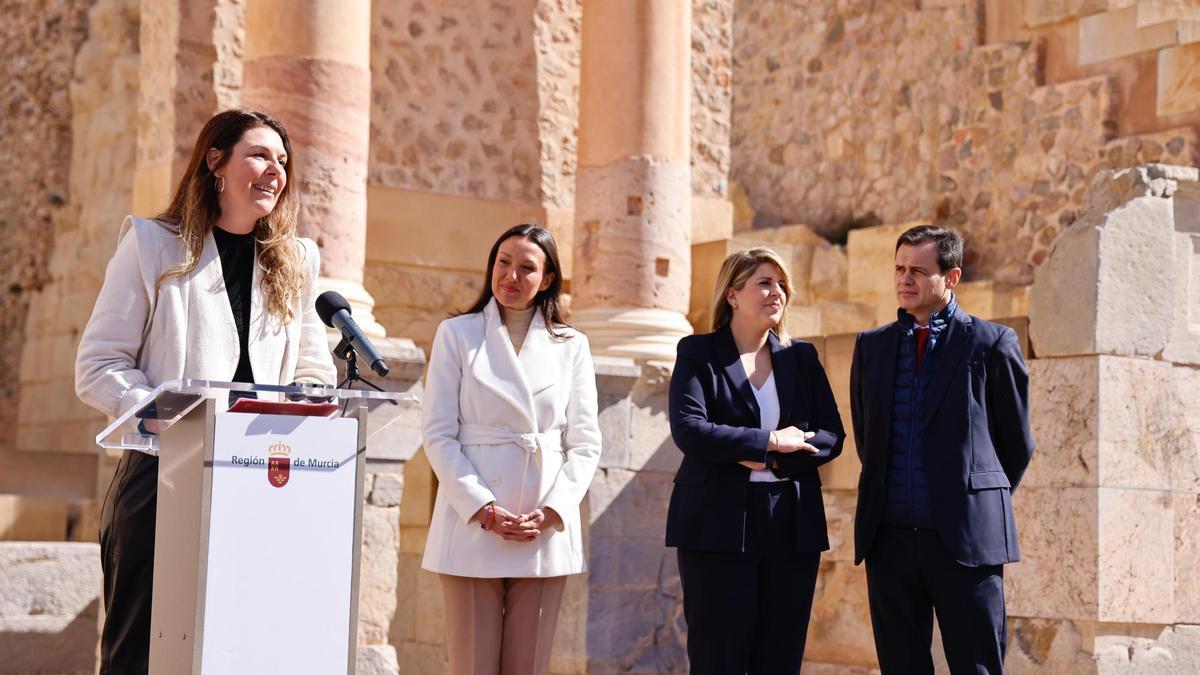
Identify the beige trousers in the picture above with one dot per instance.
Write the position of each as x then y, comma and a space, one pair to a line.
501, 626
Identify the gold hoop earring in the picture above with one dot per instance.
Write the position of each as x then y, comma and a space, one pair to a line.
220, 183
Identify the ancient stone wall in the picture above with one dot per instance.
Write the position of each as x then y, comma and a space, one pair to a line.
556, 30
103, 94
455, 100
38, 42
856, 112
712, 96
103, 100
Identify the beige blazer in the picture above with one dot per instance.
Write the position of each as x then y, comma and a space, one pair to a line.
518, 430
136, 338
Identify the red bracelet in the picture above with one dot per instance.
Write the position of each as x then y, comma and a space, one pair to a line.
489, 517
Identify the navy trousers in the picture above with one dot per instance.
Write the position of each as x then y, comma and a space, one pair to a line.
910, 576
748, 612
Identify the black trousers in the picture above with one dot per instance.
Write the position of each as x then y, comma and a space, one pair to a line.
909, 577
748, 612
127, 559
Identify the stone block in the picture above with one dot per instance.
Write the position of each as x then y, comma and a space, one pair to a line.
828, 278
628, 504
1175, 651
377, 573
387, 489
634, 631
1117, 543
1058, 530
626, 562
569, 654
431, 611
1045, 12
404, 621
420, 489
871, 256
712, 219
838, 318
33, 518
840, 507
1004, 22
1178, 76
842, 473
1064, 401
1183, 344
49, 607
1185, 429
804, 320
1132, 30
376, 660
1090, 293
840, 629
992, 300
616, 420
1105, 421
1045, 646
651, 447
1186, 510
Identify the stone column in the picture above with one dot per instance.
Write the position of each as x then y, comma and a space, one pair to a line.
1109, 511
632, 271
307, 63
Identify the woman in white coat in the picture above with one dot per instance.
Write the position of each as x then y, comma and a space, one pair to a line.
218, 287
509, 426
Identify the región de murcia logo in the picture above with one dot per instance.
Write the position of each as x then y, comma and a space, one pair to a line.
279, 464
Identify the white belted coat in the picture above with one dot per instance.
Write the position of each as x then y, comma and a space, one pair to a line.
517, 430
138, 338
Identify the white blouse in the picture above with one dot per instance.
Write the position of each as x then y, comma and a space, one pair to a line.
768, 418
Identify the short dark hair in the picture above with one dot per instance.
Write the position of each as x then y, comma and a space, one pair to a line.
949, 243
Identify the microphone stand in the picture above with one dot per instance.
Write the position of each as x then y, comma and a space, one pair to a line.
345, 351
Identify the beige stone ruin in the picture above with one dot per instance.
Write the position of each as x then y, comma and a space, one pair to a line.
653, 138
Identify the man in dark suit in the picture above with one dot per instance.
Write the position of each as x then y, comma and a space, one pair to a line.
939, 401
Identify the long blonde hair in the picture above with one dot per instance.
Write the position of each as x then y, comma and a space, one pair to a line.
195, 209
735, 272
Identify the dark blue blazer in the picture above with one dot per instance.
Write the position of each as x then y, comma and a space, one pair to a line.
977, 441
714, 421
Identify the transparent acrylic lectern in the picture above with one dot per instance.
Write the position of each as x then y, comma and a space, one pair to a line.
259, 522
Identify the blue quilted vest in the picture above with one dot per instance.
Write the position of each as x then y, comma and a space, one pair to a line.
907, 487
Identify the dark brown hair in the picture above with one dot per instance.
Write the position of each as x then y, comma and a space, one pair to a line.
949, 243
195, 208
547, 302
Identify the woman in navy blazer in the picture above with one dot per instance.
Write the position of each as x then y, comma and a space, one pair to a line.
754, 416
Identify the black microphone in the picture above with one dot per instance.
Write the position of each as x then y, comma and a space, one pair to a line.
335, 312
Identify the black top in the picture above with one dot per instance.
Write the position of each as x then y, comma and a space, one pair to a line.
237, 266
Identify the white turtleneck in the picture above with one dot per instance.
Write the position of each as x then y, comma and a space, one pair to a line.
516, 322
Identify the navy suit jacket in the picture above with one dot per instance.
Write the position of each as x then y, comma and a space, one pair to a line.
977, 442
715, 422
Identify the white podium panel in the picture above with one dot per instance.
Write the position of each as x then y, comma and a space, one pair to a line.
279, 590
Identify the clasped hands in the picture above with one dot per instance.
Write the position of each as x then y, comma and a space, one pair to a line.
513, 527
786, 441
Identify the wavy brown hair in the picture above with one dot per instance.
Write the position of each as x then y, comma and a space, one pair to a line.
195, 209
735, 272
548, 302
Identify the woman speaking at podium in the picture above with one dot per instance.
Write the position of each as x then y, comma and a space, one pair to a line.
509, 426
217, 287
